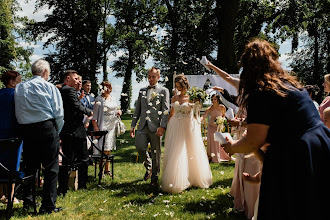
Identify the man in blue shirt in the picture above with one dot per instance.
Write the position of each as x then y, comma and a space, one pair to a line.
88, 99
39, 111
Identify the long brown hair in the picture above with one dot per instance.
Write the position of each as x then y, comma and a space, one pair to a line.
263, 72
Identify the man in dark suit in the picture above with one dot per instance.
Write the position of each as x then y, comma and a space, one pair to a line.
73, 134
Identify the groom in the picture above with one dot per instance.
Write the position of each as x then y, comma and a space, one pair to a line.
152, 108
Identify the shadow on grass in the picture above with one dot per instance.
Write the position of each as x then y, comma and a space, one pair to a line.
221, 208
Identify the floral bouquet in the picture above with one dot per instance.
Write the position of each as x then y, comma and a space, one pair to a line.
197, 94
221, 123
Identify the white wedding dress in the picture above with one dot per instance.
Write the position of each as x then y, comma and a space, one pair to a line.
185, 162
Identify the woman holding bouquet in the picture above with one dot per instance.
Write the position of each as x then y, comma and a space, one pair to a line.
215, 152
185, 162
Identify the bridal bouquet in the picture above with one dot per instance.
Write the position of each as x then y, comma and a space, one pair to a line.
197, 94
221, 123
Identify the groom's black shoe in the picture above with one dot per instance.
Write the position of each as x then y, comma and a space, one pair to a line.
147, 175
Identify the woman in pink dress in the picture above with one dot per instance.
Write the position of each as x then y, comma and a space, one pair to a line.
214, 149
326, 101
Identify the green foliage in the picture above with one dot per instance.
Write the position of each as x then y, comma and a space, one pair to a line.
135, 38
11, 52
306, 22
73, 29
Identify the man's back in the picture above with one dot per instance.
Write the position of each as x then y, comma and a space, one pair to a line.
37, 100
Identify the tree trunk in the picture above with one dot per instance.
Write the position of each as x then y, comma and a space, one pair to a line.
226, 12
125, 98
105, 72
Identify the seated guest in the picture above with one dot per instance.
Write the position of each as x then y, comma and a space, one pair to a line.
8, 122
39, 111
73, 134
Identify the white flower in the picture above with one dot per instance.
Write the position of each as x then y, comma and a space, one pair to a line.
222, 172
157, 102
171, 185
155, 215
212, 155
105, 88
148, 119
92, 103
166, 78
98, 103
148, 112
100, 86
160, 112
154, 95
166, 201
178, 93
150, 104
176, 103
165, 112
92, 95
124, 94
144, 93
105, 109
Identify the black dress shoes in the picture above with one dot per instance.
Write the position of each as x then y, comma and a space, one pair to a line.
49, 211
147, 175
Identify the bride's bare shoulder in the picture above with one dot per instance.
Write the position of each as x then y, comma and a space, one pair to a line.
174, 98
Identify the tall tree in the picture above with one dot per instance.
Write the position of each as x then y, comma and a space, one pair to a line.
134, 27
73, 29
11, 52
186, 27
307, 21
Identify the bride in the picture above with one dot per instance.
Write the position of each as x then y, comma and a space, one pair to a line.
185, 162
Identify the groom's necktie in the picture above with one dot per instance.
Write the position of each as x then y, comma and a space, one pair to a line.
151, 87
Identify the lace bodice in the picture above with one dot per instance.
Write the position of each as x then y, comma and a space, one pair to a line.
182, 111
110, 108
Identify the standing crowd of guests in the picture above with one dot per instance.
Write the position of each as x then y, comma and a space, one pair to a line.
46, 118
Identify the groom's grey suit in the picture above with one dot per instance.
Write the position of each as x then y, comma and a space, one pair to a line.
151, 115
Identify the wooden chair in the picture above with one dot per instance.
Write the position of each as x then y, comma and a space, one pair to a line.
9, 176
102, 156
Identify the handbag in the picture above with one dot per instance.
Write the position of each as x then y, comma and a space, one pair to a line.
120, 127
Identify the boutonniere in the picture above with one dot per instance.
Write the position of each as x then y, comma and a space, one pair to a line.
154, 95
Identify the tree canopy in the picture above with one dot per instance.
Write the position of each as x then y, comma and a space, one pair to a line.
177, 33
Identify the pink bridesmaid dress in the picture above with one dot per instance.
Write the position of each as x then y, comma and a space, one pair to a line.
214, 149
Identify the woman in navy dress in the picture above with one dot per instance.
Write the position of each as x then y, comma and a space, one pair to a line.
8, 122
280, 112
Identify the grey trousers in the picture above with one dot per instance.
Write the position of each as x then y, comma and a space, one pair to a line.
142, 138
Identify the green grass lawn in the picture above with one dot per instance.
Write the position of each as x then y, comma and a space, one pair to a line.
129, 197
